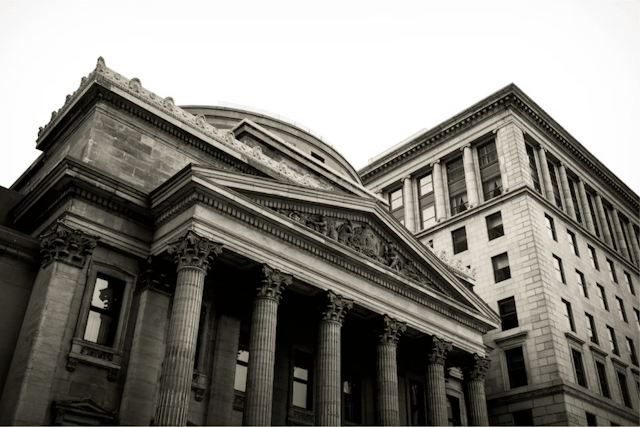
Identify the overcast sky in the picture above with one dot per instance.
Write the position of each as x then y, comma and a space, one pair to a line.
363, 74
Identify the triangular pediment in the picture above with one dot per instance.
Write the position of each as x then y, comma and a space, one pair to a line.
81, 412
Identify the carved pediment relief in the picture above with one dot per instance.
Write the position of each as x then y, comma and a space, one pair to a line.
81, 412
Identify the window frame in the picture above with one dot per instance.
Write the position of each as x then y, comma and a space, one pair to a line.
582, 370
629, 282
555, 186
455, 192
591, 327
509, 370
593, 257
582, 283
496, 234
507, 317
613, 342
573, 243
533, 167
631, 349
309, 383
621, 311
551, 228
624, 388
506, 271
603, 380
424, 204
612, 270
569, 315
603, 297
461, 234
558, 268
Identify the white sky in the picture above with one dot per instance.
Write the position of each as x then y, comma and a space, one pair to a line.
363, 74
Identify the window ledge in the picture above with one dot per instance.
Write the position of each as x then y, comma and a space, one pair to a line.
574, 338
300, 417
511, 339
598, 351
619, 363
94, 354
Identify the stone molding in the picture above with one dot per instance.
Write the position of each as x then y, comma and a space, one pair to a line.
477, 367
454, 264
192, 250
438, 350
199, 384
336, 307
66, 244
598, 351
391, 330
510, 340
94, 354
574, 339
619, 363
272, 283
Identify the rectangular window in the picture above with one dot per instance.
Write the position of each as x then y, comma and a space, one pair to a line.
612, 271
104, 310
535, 177
591, 419
623, 228
603, 297
457, 186
242, 365
490, 171
628, 282
396, 202
581, 379
416, 403
582, 284
303, 380
612, 340
453, 411
501, 267
427, 201
574, 198
622, 380
352, 393
568, 314
508, 313
554, 184
573, 243
591, 327
637, 314
602, 379
551, 230
494, 226
557, 265
613, 236
516, 367
631, 349
523, 418
459, 237
594, 218
621, 312
592, 257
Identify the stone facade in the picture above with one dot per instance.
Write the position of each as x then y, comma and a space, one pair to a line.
214, 266
536, 206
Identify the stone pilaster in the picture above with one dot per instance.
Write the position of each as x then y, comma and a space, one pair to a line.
436, 392
546, 178
617, 228
388, 406
470, 176
328, 390
65, 251
634, 242
603, 221
409, 204
262, 347
474, 374
585, 207
438, 191
564, 181
192, 254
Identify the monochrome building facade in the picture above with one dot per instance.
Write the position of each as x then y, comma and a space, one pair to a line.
552, 239
217, 266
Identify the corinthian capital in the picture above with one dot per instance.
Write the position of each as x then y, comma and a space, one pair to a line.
438, 350
391, 330
192, 250
477, 367
66, 244
336, 307
272, 283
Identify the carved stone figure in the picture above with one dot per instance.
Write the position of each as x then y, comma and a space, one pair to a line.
320, 225
393, 257
346, 234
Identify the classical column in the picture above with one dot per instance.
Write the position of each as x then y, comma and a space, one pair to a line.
585, 207
438, 191
388, 407
328, 390
474, 374
546, 178
262, 346
564, 181
603, 221
634, 242
409, 204
436, 393
193, 255
470, 176
617, 228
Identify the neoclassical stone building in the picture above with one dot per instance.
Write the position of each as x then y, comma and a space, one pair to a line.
211, 265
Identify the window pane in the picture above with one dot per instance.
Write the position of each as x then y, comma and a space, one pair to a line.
426, 185
240, 382
104, 311
396, 199
300, 395
516, 367
602, 378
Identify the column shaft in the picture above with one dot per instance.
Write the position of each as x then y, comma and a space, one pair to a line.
622, 244
177, 370
387, 379
476, 403
564, 181
409, 217
328, 389
585, 207
603, 221
634, 242
436, 396
546, 178
470, 177
262, 350
438, 191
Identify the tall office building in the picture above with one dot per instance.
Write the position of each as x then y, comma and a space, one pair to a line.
550, 239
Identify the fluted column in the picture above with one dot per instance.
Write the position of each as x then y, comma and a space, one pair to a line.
546, 178
328, 390
436, 393
564, 181
192, 254
474, 374
262, 347
388, 406
585, 206
409, 204
617, 228
634, 242
603, 221
438, 190
470, 176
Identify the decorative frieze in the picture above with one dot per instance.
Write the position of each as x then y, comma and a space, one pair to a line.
94, 352
336, 307
438, 350
454, 264
66, 244
272, 283
192, 250
391, 330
